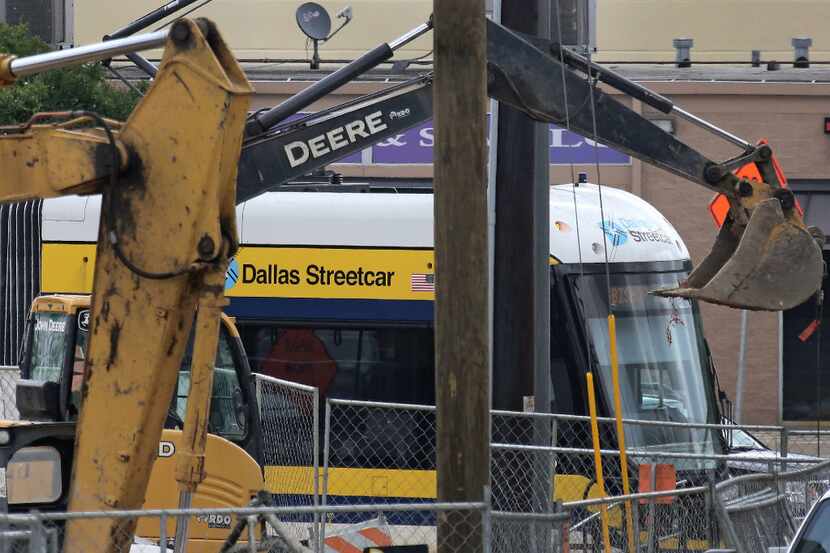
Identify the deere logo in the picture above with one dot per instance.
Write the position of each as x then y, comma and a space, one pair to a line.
232, 275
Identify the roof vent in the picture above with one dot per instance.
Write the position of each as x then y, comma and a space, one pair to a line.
683, 56
801, 48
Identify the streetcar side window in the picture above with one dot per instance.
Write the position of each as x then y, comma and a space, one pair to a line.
376, 364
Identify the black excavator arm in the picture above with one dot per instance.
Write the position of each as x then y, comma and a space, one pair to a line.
764, 257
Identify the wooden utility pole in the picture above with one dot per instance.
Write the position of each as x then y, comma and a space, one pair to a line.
461, 299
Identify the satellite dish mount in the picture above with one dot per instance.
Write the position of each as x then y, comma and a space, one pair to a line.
315, 23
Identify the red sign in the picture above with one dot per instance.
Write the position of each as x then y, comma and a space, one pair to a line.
300, 356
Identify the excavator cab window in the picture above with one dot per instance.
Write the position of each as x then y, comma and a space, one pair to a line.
227, 419
50, 341
58, 347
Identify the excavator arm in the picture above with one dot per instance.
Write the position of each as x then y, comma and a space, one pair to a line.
764, 257
167, 232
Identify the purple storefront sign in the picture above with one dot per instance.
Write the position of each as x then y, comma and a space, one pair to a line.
415, 146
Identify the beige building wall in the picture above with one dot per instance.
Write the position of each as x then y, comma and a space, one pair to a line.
626, 30
268, 28
642, 30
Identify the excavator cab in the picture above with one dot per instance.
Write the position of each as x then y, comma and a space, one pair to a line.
53, 359
49, 396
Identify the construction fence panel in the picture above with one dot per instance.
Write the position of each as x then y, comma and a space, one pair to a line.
659, 522
9, 375
387, 452
290, 441
455, 526
761, 511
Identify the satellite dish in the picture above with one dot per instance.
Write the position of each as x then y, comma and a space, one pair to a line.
314, 21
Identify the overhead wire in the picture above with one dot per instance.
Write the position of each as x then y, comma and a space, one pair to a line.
185, 14
574, 183
605, 229
589, 358
612, 323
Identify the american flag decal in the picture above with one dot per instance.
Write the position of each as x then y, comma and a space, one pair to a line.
422, 282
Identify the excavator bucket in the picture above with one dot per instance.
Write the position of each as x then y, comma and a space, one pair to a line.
776, 264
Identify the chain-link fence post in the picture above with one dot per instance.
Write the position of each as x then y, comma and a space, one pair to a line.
163, 531
785, 446
5, 541
487, 522
314, 540
37, 534
252, 523
711, 514
652, 510
326, 452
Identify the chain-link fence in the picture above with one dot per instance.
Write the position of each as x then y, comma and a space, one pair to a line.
386, 452
809, 442
442, 527
375, 449
760, 511
8, 401
290, 427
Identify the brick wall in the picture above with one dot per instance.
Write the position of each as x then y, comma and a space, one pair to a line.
793, 125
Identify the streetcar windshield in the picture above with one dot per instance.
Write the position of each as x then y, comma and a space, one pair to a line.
663, 369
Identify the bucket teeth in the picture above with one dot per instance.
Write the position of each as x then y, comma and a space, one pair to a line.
777, 264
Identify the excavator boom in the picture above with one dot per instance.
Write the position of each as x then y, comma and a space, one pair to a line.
766, 262
167, 232
763, 261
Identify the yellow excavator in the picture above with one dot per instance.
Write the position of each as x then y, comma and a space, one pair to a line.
168, 183
168, 228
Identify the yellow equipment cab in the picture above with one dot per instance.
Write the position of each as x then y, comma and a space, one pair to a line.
49, 396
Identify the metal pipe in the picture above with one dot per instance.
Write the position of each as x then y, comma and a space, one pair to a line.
645, 95
702, 123
565, 417
146, 20
739, 386
403, 40
22, 67
143, 63
259, 123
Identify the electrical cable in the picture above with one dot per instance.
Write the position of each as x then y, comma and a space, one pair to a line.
185, 14
419, 58
108, 204
574, 183
599, 178
819, 315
